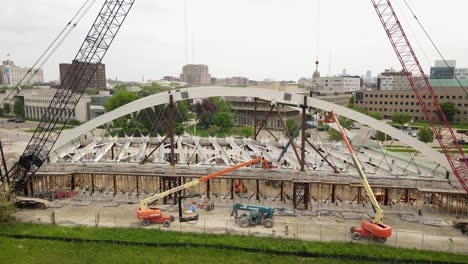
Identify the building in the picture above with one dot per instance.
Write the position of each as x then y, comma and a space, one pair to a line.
243, 107
11, 75
36, 102
337, 85
461, 73
195, 74
443, 69
393, 80
390, 102
98, 80
234, 81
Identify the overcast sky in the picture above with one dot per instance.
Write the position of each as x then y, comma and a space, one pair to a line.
259, 39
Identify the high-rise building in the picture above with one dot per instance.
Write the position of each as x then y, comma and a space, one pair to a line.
11, 75
195, 74
98, 80
461, 73
392, 80
368, 77
443, 69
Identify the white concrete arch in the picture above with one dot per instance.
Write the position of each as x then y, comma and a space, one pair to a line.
267, 94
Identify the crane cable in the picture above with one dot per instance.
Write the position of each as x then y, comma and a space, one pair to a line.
59, 40
435, 46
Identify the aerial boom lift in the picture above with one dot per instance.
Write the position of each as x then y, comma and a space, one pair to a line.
375, 228
145, 213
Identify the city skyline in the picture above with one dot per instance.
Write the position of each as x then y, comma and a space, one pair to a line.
280, 44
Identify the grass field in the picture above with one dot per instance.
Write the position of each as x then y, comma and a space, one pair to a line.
38, 251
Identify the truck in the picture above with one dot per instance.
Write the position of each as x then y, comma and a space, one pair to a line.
252, 215
150, 214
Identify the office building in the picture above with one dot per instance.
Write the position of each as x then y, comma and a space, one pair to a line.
443, 69
390, 102
11, 75
95, 72
392, 80
195, 74
461, 73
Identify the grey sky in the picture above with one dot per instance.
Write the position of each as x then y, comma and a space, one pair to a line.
253, 38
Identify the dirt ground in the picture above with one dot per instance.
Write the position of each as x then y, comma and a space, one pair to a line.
304, 226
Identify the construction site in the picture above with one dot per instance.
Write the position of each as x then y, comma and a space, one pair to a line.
300, 184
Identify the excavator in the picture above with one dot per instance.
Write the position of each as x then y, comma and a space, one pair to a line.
149, 214
374, 228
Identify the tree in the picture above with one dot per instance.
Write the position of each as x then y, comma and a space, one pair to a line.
351, 102
213, 130
73, 122
91, 91
380, 136
179, 130
360, 110
130, 127
376, 115
401, 118
182, 113
425, 135
336, 135
7, 208
224, 121
449, 109
119, 99
18, 107
6, 108
154, 88
205, 119
246, 131
291, 126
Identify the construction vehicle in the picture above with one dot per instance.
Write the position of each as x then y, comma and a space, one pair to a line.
183, 218
375, 228
461, 224
148, 214
252, 215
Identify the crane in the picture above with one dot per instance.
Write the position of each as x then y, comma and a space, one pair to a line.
423, 90
148, 214
95, 46
375, 228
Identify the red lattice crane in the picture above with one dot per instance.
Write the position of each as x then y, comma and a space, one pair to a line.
423, 90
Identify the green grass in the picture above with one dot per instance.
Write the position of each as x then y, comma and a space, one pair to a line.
84, 252
37, 251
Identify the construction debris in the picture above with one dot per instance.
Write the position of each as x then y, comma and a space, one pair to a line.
351, 215
432, 222
323, 212
410, 218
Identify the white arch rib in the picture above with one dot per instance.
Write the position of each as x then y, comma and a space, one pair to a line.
267, 94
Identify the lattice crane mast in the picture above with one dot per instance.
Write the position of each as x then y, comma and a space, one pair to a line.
423, 90
92, 51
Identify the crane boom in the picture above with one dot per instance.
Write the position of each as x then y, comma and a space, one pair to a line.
378, 218
155, 198
423, 90
87, 60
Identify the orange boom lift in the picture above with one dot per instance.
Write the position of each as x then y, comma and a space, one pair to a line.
154, 215
375, 228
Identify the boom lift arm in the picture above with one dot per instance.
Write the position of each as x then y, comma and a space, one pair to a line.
155, 198
378, 218
375, 228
